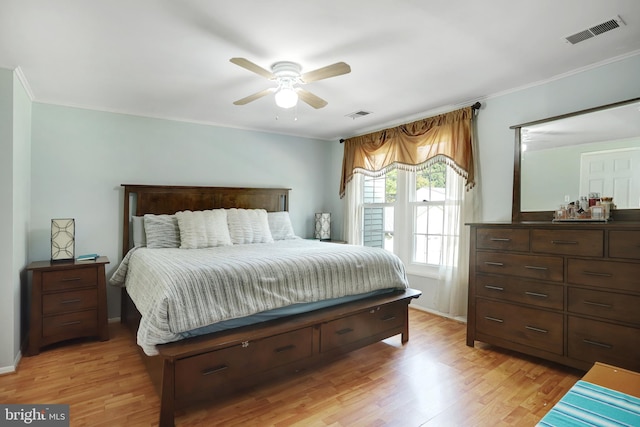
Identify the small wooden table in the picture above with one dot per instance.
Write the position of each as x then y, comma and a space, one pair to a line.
68, 300
614, 378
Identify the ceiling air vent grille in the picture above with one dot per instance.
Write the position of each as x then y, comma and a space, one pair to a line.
596, 30
358, 114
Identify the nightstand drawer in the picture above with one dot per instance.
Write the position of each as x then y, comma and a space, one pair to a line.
71, 325
61, 302
69, 279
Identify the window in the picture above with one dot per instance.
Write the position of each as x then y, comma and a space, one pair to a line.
407, 213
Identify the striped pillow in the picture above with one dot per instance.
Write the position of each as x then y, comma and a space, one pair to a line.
162, 231
203, 229
248, 226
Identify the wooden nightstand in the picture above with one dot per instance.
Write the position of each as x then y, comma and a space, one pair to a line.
68, 300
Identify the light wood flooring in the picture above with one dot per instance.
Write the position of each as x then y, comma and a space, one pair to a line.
433, 380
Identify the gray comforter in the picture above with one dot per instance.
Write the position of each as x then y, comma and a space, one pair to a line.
178, 290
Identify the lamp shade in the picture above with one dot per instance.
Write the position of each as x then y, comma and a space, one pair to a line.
323, 226
286, 97
63, 239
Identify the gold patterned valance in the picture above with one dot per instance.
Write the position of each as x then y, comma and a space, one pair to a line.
446, 137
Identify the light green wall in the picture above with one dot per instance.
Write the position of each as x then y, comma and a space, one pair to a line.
7, 332
617, 81
81, 157
15, 125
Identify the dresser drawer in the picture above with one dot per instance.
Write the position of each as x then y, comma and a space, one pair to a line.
206, 372
591, 341
624, 308
352, 329
70, 325
527, 326
519, 290
604, 274
507, 239
568, 242
69, 279
530, 266
61, 302
624, 244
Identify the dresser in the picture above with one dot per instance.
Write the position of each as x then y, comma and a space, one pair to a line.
565, 292
68, 300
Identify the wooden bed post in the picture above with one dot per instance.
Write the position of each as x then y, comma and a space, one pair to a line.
167, 400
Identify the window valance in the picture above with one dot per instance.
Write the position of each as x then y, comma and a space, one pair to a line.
446, 137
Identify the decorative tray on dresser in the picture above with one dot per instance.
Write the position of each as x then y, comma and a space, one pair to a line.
565, 292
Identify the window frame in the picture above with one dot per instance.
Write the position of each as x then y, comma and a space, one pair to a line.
405, 223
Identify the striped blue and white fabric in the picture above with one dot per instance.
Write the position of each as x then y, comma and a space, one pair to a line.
587, 404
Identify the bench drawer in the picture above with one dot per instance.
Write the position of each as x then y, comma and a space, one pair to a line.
351, 329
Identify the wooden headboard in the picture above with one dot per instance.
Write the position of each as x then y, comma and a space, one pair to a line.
169, 199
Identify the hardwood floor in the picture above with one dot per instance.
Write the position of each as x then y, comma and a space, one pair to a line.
433, 380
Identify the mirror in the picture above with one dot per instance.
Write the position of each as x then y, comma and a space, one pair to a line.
559, 159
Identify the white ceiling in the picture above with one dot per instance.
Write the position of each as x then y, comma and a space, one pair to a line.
170, 58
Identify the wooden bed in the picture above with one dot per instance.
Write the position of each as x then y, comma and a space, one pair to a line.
211, 365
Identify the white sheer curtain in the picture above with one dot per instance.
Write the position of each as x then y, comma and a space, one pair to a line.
353, 214
451, 298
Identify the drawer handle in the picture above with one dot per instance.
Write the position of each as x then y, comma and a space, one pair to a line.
494, 288
595, 273
598, 344
285, 348
344, 331
75, 322
534, 267
70, 301
536, 294
386, 319
534, 329
597, 304
498, 264
500, 239
70, 279
564, 242
494, 319
214, 370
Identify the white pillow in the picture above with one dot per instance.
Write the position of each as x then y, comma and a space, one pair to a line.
162, 231
248, 226
203, 229
139, 238
280, 226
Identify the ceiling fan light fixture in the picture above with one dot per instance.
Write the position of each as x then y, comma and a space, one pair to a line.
286, 97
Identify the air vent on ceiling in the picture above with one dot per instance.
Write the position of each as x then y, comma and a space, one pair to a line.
596, 30
358, 114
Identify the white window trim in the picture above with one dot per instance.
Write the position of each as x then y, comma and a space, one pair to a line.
404, 227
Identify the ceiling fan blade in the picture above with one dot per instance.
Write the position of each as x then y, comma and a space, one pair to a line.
311, 99
245, 63
255, 96
337, 69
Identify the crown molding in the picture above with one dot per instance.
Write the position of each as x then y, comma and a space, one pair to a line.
25, 83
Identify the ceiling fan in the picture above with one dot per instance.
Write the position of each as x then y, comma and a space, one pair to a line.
288, 75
